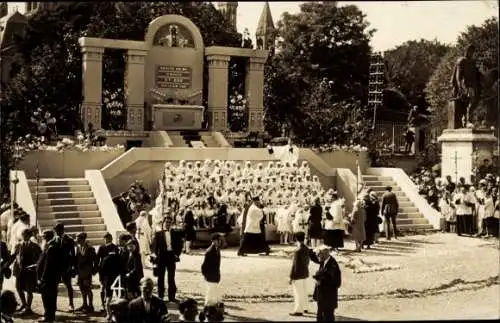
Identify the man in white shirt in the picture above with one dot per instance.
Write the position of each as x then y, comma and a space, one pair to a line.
463, 204
253, 239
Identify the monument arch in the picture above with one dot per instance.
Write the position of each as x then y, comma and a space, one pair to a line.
164, 78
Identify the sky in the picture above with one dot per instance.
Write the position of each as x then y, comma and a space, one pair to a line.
395, 21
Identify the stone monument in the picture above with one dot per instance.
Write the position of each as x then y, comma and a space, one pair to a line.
164, 78
462, 146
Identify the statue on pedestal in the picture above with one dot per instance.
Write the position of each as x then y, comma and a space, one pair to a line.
466, 82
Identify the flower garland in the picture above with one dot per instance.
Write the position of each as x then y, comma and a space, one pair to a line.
331, 148
238, 112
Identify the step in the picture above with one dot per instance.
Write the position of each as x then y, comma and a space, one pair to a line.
401, 221
97, 236
75, 201
61, 188
415, 227
376, 178
63, 195
57, 182
405, 204
64, 208
85, 228
75, 229
379, 183
69, 215
410, 215
381, 188
46, 222
408, 209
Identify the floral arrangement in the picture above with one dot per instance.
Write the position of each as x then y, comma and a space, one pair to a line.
238, 112
34, 143
334, 147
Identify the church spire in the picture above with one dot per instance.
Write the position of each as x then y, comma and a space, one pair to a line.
265, 32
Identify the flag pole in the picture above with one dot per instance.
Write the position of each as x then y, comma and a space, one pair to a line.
357, 178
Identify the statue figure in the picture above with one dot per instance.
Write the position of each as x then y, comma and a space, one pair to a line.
466, 82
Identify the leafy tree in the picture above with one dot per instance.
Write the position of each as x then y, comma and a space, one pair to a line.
439, 90
409, 67
322, 41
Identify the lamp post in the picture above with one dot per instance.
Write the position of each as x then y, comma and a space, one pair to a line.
16, 156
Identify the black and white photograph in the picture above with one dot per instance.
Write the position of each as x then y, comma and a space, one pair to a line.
249, 161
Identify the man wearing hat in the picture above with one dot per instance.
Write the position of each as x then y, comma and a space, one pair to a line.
48, 275
67, 262
389, 208
86, 266
328, 281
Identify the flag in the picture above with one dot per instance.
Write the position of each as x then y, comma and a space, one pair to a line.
359, 178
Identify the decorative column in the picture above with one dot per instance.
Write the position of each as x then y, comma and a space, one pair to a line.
134, 85
92, 86
217, 91
254, 91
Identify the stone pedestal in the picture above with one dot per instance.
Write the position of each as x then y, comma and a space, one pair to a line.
254, 91
464, 149
217, 91
134, 85
177, 117
92, 86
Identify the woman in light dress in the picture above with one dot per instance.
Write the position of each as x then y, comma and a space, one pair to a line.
357, 220
285, 220
490, 215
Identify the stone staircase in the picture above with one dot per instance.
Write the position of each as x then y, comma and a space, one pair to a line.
69, 201
409, 218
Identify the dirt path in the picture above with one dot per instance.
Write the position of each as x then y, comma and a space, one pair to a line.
438, 276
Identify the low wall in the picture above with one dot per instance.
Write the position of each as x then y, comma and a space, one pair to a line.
159, 139
346, 159
346, 183
220, 139
411, 191
23, 194
65, 164
120, 137
105, 203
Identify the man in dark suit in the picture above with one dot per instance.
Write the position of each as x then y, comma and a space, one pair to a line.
86, 266
147, 308
26, 255
5, 261
49, 276
109, 267
166, 248
211, 271
328, 281
300, 273
389, 207
67, 260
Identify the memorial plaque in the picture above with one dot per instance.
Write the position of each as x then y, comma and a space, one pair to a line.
173, 77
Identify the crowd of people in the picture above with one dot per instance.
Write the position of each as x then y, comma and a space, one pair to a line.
40, 267
466, 208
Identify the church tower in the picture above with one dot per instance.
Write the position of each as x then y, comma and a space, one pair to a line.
229, 10
266, 33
